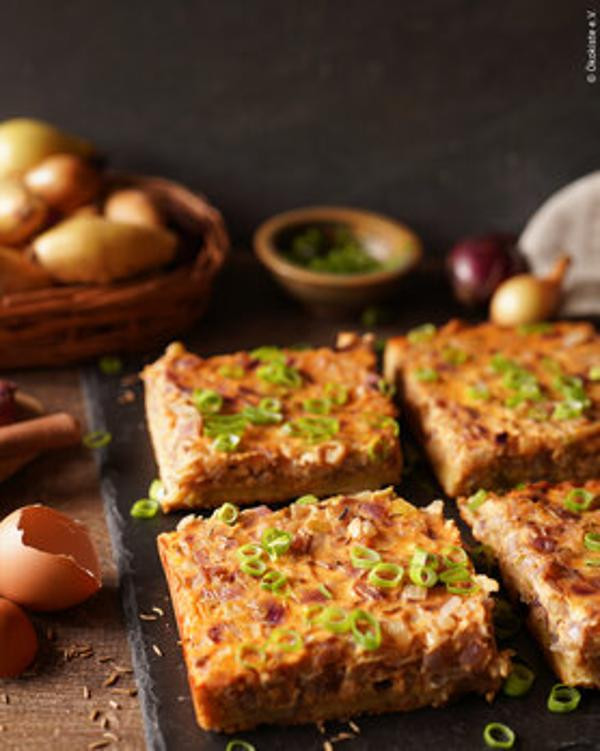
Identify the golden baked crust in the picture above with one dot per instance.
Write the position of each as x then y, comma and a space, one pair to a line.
435, 644
497, 406
544, 559
333, 429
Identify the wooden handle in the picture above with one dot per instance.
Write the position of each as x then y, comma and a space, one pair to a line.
40, 434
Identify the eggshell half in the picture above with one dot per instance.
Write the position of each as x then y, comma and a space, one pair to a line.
47, 560
18, 640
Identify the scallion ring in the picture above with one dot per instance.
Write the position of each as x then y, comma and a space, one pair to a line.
268, 354
325, 591
453, 555
519, 680
313, 429
307, 500
422, 557
563, 698
591, 541
279, 374
286, 640
365, 629
594, 373
385, 575
227, 513
458, 587
238, 745
363, 557
232, 371
456, 573
258, 416
156, 491
145, 508
250, 551
226, 442
334, 619
578, 500
216, 425
498, 735
251, 655
594, 562
255, 567
337, 392
207, 401
422, 333
317, 406
477, 499
276, 542
423, 576
96, 439
270, 404
273, 581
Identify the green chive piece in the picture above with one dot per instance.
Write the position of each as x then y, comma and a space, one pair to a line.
253, 567
337, 392
317, 406
238, 745
313, 429
286, 640
365, 629
595, 562
568, 410
226, 442
501, 364
232, 371
468, 587
377, 449
251, 551
156, 491
578, 500
422, 333
270, 404
261, 416
110, 365
422, 557
456, 573
307, 500
273, 581
479, 392
280, 374
228, 513
543, 327
216, 425
423, 576
498, 735
363, 557
519, 680
453, 555
477, 500
276, 542
594, 373
454, 356
96, 439
207, 401
251, 655
324, 591
334, 619
506, 621
591, 540
384, 422
426, 375
386, 575
268, 354
563, 699
312, 612
145, 508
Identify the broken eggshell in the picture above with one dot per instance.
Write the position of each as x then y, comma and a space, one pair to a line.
47, 560
18, 640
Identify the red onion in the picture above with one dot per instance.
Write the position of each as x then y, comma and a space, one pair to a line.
478, 264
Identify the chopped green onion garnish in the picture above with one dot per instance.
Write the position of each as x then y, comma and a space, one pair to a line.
453, 555
232, 371
569, 410
313, 429
385, 575
578, 500
253, 567
363, 557
479, 392
592, 541
385, 421
156, 491
251, 655
317, 406
258, 416
280, 374
422, 333
270, 404
249, 552
371, 637
563, 699
215, 425
207, 401
519, 681
334, 619
307, 500
456, 573
145, 508
276, 542
423, 576
287, 640
506, 622
422, 557
227, 513
110, 365
226, 442
462, 588
337, 392
498, 735
377, 449
268, 354
477, 499
454, 356
324, 591
238, 745
273, 581
96, 439
543, 327
426, 375
592, 562
501, 364
594, 373
312, 612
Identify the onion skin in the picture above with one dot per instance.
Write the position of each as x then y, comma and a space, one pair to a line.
64, 181
526, 299
477, 265
133, 206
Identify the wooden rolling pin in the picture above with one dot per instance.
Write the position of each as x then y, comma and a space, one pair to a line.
30, 437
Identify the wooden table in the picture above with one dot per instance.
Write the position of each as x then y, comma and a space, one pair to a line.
64, 703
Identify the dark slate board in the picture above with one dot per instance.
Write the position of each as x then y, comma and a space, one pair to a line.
248, 311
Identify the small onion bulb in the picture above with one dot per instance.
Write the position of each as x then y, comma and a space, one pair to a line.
525, 299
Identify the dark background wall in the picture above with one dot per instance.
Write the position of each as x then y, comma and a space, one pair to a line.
456, 115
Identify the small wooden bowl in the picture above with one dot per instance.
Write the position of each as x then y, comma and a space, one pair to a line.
328, 293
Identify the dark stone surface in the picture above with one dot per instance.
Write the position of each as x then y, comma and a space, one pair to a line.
454, 115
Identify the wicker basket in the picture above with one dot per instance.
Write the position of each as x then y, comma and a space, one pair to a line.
68, 324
